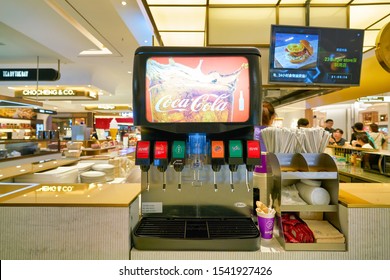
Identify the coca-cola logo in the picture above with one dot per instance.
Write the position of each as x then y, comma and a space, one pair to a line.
205, 102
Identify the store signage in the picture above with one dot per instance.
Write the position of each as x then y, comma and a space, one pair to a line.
44, 111
126, 114
26, 74
374, 99
56, 94
106, 107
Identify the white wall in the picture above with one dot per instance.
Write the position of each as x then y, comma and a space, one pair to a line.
290, 118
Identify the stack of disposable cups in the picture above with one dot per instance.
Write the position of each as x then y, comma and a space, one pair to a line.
312, 192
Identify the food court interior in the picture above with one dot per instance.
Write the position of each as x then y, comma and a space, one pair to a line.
91, 45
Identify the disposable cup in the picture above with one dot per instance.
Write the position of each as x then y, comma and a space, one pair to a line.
266, 224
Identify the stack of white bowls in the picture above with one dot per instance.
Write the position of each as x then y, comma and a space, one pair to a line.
107, 168
93, 177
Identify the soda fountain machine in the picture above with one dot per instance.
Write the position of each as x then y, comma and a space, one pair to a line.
196, 108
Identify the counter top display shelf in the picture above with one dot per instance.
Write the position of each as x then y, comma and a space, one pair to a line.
347, 152
94, 147
20, 148
289, 169
33, 167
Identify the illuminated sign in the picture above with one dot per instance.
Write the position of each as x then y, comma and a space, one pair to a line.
374, 99
25, 74
45, 111
56, 94
108, 107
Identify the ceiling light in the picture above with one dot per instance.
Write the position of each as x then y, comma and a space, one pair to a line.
124, 3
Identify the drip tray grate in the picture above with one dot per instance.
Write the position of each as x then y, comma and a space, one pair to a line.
196, 234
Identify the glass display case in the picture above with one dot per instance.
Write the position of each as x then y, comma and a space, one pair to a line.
18, 148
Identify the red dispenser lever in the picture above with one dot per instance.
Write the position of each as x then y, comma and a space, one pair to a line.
142, 158
252, 158
161, 158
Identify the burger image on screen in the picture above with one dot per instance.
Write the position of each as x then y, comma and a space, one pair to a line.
298, 53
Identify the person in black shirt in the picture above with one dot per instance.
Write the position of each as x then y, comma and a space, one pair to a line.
337, 138
358, 130
329, 125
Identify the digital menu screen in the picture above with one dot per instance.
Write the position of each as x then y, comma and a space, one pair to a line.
315, 55
197, 89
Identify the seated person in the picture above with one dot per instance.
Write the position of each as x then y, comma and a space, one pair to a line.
337, 137
363, 141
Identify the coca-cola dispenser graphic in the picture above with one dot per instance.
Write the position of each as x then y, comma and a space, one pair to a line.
196, 108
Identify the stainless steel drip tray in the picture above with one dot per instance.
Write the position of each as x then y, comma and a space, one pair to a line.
210, 234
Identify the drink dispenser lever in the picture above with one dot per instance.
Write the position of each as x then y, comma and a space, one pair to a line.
217, 158
178, 158
161, 159
252, 158
235, 158
142, 158
197, 154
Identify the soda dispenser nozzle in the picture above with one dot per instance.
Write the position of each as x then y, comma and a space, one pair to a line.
253, 158
178, 158
142, 158
161, 159
197, 153
217, 158
235, 158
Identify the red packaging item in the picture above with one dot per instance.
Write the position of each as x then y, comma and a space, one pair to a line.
295, 230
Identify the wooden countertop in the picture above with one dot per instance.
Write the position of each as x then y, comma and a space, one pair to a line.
364, 195
73, 195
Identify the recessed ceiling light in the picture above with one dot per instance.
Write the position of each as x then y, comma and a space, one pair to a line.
124, 3
129, 72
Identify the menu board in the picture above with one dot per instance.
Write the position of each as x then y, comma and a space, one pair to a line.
315, 55
197, 89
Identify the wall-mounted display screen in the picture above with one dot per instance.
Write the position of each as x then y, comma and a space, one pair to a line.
315, 55
197, 89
